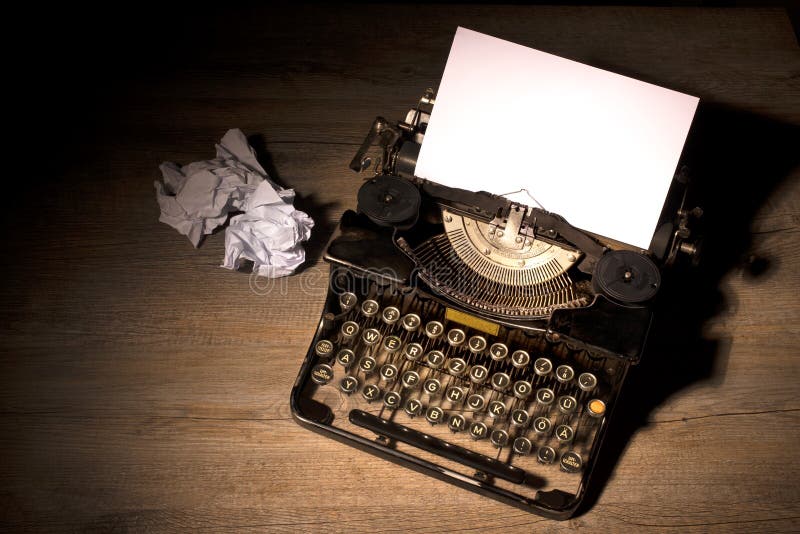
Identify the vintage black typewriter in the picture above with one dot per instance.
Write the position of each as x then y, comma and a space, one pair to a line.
477, 340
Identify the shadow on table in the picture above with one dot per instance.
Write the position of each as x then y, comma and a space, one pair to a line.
735, 160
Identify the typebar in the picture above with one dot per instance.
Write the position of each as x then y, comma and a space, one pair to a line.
438, 446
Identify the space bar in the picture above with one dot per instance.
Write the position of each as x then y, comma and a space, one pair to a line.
438, 446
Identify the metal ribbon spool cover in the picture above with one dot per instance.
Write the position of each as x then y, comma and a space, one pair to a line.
389, 200
626, 276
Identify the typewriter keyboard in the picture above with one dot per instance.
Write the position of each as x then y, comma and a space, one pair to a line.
492, 402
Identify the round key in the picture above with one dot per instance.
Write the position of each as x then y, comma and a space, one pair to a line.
367, 364
499, 438
413, 407
432, 386
478, 430
456, 337
587, 381
519, 417
522, 446
412, 351
571, 462
392, 400
347, 301
345, 358
349, 384
322, 374
370, 336
498, 351
542, 426
454, 394
564, 433
500, 381
476, 344
390, 315
349, 329
520, 359
391, 344
542, 366
323, 348
478, 374
546, 455
410, 379
388, 372
411, 322
434, 415
522, 389
476, 402
596, 408
456, 422
564, 373
545, 396
369, 308
496, 409
371, 392
434, 358
456, 366
434, 329
567, 404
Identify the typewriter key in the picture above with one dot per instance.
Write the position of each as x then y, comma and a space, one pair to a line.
454, 394
564, 373
413, 407
370, 336
496, 409
347, 301
478, 430
571, 462
322, 374
410, 379
564, 433
411, 322
367, 364
498, 351
349, 329
456, 337
345, 357
390, 315
567, 404
522, 389
434, 358
545, 396
596, 408
456, 422
323, 348
432, 386
500, 381
349, 384
477, 344
522, 446
456, 366
412, 351
434, 415
478, 374
542, 426
391, 343
546, 455
371, 392
519, 417
369, 308
434, 329
542, 366
499, 438
392, 400
388, 372
520, 359
476, 402
587, 381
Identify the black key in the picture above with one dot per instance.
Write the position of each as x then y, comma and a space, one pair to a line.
322, 374
349, 329
519, 417
522, 446
369, 308
392, 400
434, 329
476, 344
371, 392
456, 366
413, 407
323, 348
388, 372
545, 396
542, 426
478, 374
434, 415
432, 386
542, 366
520, 359
478, 430
367, 364
500, 381
546, 455
522, 389
411, 322
454, 394
496, 409
564, 373
587, 381
370, 336
567, 404
390, 315
412, 351
349, 384
345, 358
499, 438
498, 351
347, 301
410, 379
391, 344
456, 337
564, 433
571, 462
476, 402
456, 422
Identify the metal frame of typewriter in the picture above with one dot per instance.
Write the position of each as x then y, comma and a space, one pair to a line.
597, 324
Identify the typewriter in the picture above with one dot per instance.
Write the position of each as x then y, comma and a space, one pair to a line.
474, 339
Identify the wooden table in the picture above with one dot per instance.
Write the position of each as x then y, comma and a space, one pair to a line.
145, 388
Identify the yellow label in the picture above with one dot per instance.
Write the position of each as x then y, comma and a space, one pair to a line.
471, 321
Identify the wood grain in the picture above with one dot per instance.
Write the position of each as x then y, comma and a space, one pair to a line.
146, 389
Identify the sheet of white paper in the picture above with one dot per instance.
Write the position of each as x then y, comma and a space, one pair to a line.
595, 147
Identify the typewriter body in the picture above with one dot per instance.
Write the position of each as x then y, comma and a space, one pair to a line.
477, 340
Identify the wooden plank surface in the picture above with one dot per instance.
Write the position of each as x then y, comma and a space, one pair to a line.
145, 388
